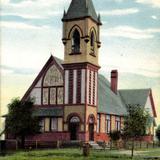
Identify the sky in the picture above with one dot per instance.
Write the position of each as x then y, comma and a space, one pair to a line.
31, 30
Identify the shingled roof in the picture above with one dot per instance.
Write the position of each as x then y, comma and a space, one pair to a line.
42, 112
81, 9
135, 96
108, 101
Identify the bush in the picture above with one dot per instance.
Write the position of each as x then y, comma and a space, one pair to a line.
115, 135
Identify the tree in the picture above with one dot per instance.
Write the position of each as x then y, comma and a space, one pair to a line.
20, 121
135, 123
158, 133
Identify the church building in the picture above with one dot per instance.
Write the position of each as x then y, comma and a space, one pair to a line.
74, 101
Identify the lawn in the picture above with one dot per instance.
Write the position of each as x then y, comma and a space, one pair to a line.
76, 154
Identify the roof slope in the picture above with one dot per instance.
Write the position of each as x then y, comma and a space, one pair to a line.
81, 9
135, 96
108, 101
42, 112
41, 73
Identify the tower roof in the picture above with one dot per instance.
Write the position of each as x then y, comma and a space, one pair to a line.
81, 9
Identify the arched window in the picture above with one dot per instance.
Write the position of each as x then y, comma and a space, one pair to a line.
74, 119
92, 41
53, 87
76, 42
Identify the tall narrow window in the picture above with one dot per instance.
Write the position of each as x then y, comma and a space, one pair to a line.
98, 123
92, 42
76, 42
108, 123
54, 124
118, 123
41, 124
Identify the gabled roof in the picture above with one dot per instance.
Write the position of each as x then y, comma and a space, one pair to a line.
52, 59
108, 101
138, 97
135, 96
81, 9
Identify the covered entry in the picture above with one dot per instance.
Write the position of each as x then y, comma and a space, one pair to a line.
74, 125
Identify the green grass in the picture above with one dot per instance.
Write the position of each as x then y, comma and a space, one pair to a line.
76, 154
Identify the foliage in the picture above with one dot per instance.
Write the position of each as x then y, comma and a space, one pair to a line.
115, 135
19, 121
135, 123
158, 133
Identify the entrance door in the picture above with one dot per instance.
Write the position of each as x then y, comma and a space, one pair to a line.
73, 128
91, 132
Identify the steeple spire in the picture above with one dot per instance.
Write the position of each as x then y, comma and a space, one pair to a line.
80, 9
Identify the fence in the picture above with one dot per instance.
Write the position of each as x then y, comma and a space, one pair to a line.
128, 145
14, 144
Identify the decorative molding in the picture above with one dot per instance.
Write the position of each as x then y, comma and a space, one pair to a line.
82, 18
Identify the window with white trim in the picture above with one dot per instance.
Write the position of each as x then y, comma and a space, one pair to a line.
41, 124
54, 124
118, 123
98, 123
108, 123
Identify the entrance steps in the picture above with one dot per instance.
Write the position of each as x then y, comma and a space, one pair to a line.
95, 145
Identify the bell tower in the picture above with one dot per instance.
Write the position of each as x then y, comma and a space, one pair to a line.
81, 39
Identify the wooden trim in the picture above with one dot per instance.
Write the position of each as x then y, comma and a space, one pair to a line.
85, 65
110, 114
77, 104
152, 103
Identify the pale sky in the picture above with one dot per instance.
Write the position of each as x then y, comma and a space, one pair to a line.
32, 29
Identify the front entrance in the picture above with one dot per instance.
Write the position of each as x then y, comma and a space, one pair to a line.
91, 128
91, 132
74, 128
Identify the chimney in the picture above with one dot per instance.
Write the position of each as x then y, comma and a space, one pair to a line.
114, 81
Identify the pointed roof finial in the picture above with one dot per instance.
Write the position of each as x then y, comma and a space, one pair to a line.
99, 18
64, 13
